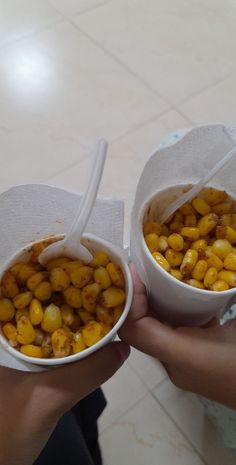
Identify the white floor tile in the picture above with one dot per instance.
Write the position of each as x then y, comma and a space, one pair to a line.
71, 7
122, 391
217, 104
178, 48
145, 435
147, 368
21, 17
188, 413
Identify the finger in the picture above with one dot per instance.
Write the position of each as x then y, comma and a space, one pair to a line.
212, 323
139, 307
69, 384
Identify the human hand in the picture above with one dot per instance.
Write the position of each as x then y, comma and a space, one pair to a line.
201, 360
32, 403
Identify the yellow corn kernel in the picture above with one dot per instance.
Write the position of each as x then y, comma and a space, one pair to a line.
186, 209
92, 333
229, 219
176, 242
56, 262
176, 226
221, 248
36, 279
67, 315
210, 277
59, 279
192, 234
104, 315
25, 272
102, 277
195, 283
52, 319
149, 228
207, 223
90, 295
161, 260
68, 267
152, 241
112, 297
201, 244
174, 258
35, 312
201, 206
228, 276
214, 196
78, 343
105, 328
43, 291
226, 232
25, 331
230, 262
22, 300
190, 221
9, 285
222, 208
220, 286
85, 316
20, 313
200, 270
99, 259
16, 268
81, 276
10, 331
189, 261
31, 350
116, 275
214, 261
176, 274
178, 217
165, 230
163, 244
46, 346
117, 312
61, 343
39, 337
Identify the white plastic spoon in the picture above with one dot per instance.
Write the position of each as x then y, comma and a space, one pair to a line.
195, 189
70, 246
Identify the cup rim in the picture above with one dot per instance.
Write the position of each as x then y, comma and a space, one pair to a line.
159, 268
44, 362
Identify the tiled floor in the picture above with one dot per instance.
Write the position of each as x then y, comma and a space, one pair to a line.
131, 71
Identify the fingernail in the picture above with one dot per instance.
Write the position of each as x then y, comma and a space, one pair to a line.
124, 350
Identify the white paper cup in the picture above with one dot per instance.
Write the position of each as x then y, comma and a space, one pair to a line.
94, 244
173, 300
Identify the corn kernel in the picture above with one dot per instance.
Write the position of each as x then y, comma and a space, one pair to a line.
190, 221
31, 350
36, 279
22, 300
221, 248
61, 343
35, 312
76, 323
46, 346
201, 206
25, 272
116, 275
230, 262
165, 230
92, 332
85, 316
228, 219
192, 234
214, 261
102, 277
56, 262
152, 241
78, 343
176, 274
214, 196
68, 267
9, 285
39, 337
226, 232
10, 331
174, 258
210, 277
189, 262
222, 208
72, 297
178, 217
20, 313
149, 228
16, 268
25, 331
163, 244
161, 260
228, 276
43, 291
67, 315
200, 244
117, 312
104, 315
59, 279
200, 270
99, 259
176, 226
186, 209
207, 223
195, 283
52, 319
81, 276
112, 297
176, 242
220, 286
105, 328
89, 296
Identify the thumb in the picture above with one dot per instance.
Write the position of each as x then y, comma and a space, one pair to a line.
69, 384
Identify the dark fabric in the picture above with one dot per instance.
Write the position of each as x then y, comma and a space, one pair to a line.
75, 438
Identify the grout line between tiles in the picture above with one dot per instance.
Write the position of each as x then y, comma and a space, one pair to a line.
79, 13
179, 428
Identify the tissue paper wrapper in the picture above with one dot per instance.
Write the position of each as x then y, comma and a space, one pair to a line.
31, 212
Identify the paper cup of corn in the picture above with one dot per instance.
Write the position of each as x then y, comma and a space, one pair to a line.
63, 311
189, 263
